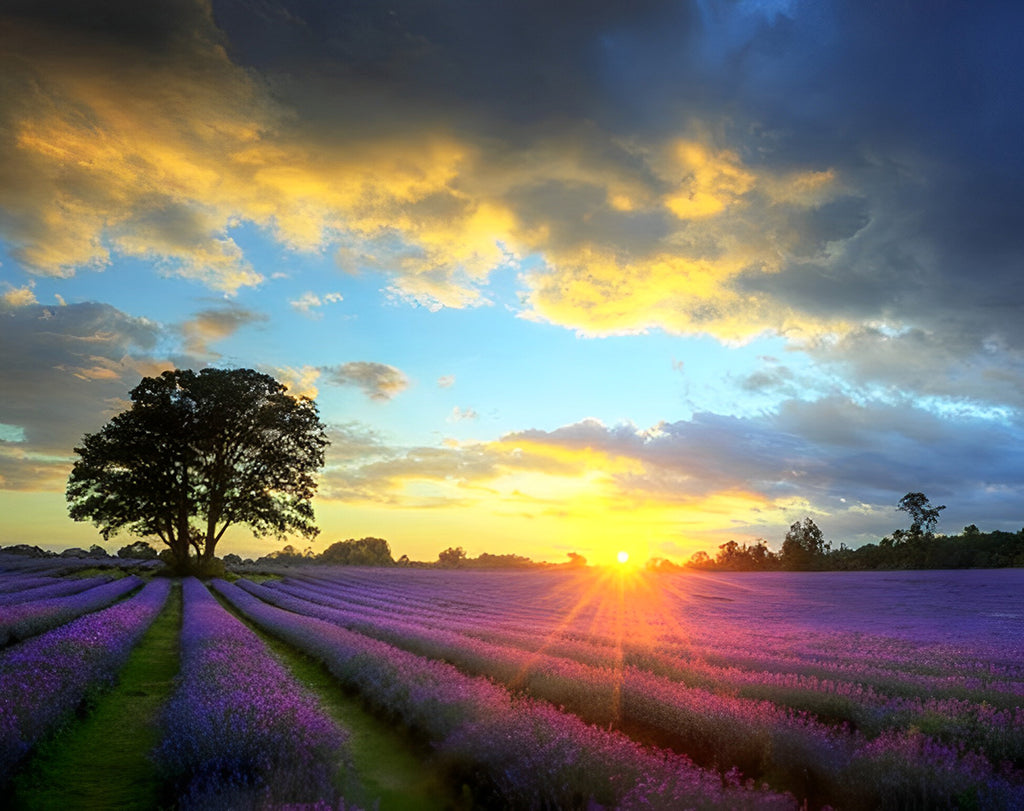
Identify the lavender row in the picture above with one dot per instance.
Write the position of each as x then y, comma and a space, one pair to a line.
531, 754
18, 581
999, 732
989, 718
676, 611
888, 666
28, 619
733, 731
896, 676
470, 600
758, 737
978, 716
44, 679
890, 669
239, 731
55, 588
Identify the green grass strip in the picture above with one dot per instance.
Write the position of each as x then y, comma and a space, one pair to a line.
389, 768
102, 760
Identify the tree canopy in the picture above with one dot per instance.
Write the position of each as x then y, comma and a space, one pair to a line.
452, 557
196, 453
362, 552
923, 516
804, 547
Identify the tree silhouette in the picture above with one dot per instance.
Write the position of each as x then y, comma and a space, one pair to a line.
923, 516
137, 550
364, 552
217, 448
804, 546
452, 557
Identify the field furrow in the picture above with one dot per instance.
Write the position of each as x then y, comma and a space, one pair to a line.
952, 710
44, 679
760, 738
239, 730
27, 619
526, 753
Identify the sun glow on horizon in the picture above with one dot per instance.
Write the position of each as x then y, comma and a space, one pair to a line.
622, 557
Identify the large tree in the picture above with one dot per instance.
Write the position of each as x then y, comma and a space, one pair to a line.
197, 453
923, 516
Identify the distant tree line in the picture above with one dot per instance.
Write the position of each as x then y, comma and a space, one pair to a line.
803, 549
351, 552
377, 552
918, 547
456, 558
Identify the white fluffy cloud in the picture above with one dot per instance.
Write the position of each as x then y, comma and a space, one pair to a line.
310, 303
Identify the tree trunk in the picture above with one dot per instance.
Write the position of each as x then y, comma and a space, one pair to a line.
183, 563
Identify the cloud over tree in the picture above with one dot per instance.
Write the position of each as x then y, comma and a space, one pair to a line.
378, 381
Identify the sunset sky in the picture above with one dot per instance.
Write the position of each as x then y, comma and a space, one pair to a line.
562, 276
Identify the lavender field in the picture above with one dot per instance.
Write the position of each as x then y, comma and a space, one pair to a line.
583, 688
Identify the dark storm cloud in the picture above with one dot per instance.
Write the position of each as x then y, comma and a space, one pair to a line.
907, 73
507, 62
147, 27
915, 105
719, 167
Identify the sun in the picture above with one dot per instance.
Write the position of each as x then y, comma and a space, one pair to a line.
622, 557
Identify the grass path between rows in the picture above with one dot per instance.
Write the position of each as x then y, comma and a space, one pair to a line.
102, 760
388, 768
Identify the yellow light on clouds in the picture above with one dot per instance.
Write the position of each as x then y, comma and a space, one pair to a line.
713, 180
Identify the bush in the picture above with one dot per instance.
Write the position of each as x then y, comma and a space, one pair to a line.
139, 550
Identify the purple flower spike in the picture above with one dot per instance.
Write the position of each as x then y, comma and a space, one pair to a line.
239, 731
44, 679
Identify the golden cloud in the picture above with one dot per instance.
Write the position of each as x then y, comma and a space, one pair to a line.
108, 149
299, 382
566, 485
161, 161
712, 181
537, 468
18, 296
729, 220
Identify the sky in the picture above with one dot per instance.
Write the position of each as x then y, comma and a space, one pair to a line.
562, 277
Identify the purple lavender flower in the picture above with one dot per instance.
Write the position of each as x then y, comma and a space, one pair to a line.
12, 582
29, 618
520, 752
239, 731
44, 679
724, 697
57, 587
